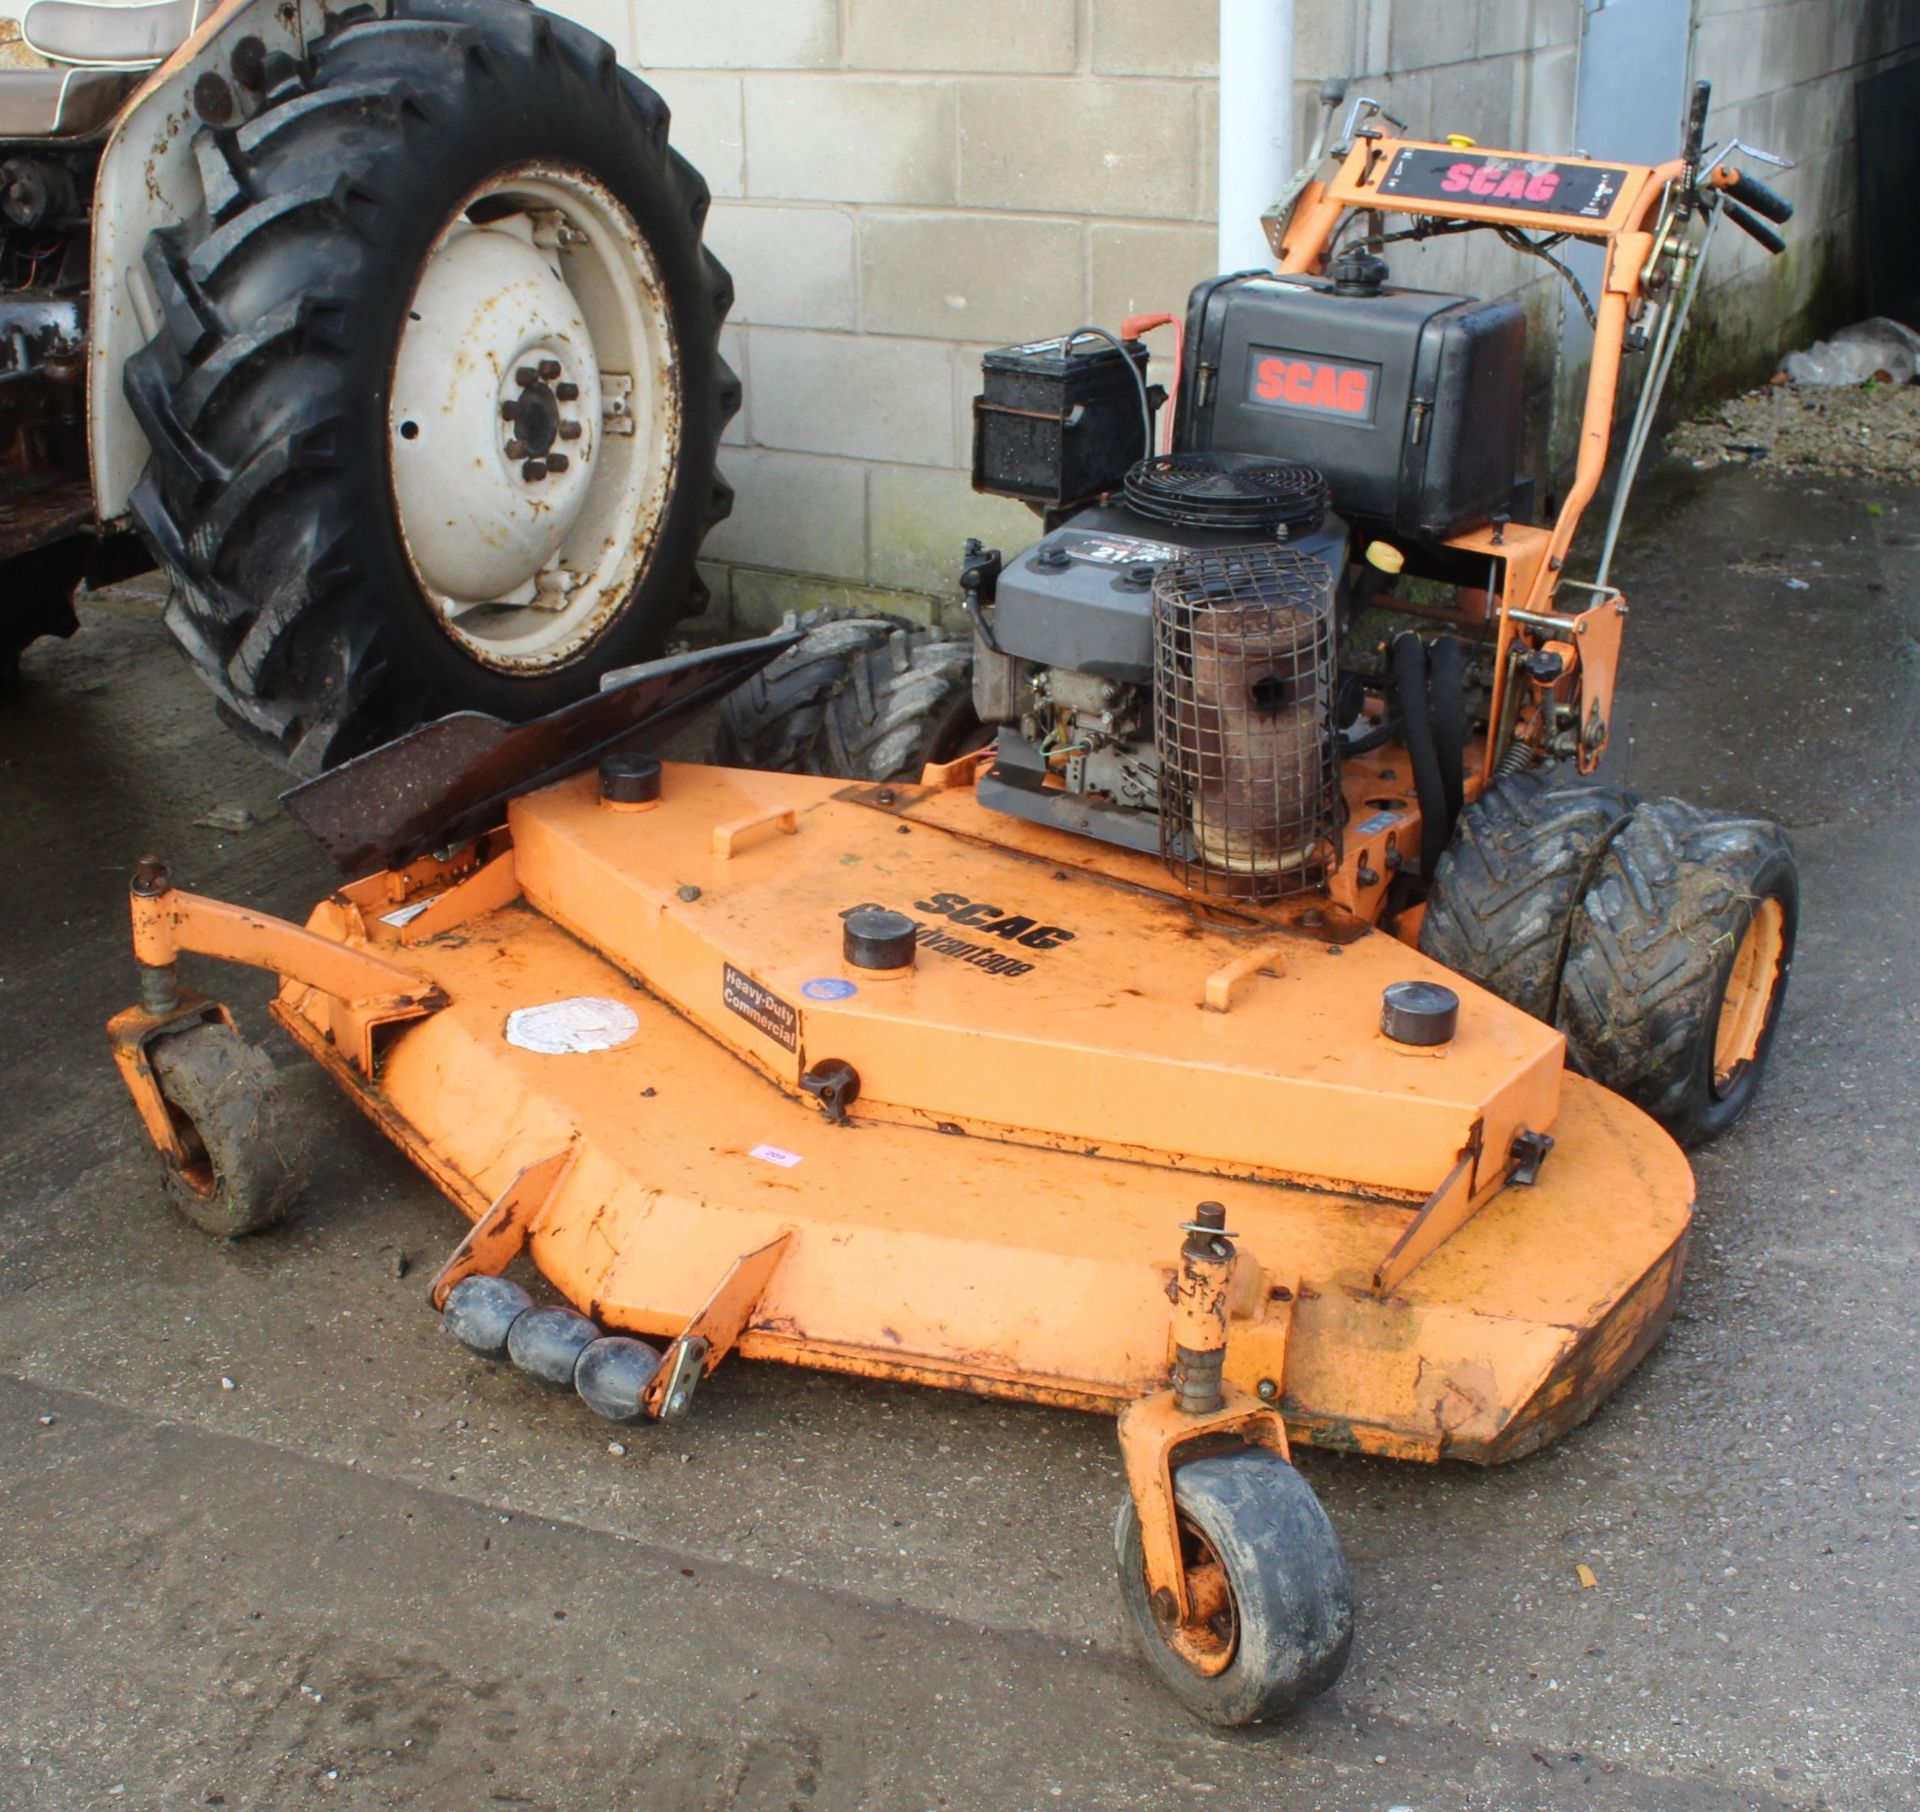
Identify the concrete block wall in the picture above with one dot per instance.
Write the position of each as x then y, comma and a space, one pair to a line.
901, 184
898, 186
1784, 75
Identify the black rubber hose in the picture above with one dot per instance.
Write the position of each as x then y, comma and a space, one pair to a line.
1447, 695
1409, 658
1378, 737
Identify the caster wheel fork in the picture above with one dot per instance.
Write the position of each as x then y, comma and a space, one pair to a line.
1231, 1574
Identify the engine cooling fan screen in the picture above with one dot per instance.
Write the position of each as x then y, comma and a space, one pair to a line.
1228, 491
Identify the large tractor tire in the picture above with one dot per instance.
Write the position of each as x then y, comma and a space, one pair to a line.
436, 397
858, 698
1505, 888
1678, 963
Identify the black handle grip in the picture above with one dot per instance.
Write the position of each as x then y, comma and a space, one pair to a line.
1697, 121
1753, 228
1760, 198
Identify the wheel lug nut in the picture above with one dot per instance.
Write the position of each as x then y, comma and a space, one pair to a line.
534, 470
509, 410
526, 377
568, 392
570, 430
517, 449
549, 369
557, 462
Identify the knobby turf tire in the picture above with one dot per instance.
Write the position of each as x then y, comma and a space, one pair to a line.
1292, 1592
859, 698
1652, 945
267, 497
242, 1135
1505, 889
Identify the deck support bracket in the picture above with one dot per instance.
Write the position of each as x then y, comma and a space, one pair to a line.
500, 1235
714, 1330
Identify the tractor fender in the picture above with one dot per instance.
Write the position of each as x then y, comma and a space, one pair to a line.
149, 177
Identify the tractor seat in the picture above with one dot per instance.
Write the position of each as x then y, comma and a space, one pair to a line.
110, 34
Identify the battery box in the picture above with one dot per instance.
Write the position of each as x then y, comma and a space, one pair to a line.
1407, 400
1057, 422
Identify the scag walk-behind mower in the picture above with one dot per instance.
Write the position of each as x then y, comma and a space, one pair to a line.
388, 325
1197, 1052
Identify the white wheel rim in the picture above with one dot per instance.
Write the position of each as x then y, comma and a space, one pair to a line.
534, 421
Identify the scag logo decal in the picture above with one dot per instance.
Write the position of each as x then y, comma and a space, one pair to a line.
1492, 179
1291, 380
990, 921
1512, 184
1017, 930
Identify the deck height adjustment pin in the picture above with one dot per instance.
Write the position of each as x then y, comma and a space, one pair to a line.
835, 1084
1199, 1292
159, 982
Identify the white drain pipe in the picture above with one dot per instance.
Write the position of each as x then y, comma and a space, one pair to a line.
1256, 123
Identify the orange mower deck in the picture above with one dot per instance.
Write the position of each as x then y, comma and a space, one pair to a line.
1000, 1210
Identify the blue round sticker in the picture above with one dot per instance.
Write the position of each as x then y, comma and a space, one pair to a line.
828, 987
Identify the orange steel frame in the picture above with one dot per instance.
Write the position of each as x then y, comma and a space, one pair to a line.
1001, 1217
1531, 559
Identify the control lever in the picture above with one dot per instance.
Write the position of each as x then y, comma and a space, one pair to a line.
1756, 194
1754, 228
1273, 221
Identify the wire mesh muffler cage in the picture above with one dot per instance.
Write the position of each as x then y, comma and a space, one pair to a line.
1243, 671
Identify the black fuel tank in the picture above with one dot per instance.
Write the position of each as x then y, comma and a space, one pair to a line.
1408, 400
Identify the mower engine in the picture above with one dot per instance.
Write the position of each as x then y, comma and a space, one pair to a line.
1167, 666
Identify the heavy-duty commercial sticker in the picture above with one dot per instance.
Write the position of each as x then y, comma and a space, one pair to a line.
760, 1007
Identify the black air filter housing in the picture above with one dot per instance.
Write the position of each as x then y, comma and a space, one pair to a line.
1408, 400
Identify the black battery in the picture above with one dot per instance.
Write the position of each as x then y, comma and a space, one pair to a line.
1409, 401
1057, 422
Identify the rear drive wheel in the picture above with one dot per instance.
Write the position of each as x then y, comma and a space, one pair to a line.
243, 1151
436, 397
1270, 1583
1504, 891
1678, 964
859, 698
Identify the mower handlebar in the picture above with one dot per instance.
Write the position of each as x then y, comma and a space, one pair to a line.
1753, 227
1756, 194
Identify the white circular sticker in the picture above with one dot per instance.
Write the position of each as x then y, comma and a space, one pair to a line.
560, 1027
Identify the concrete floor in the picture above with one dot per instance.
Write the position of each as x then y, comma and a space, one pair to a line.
269, 1539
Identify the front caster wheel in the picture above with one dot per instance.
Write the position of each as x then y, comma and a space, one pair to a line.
1271, 1591
243, 1165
